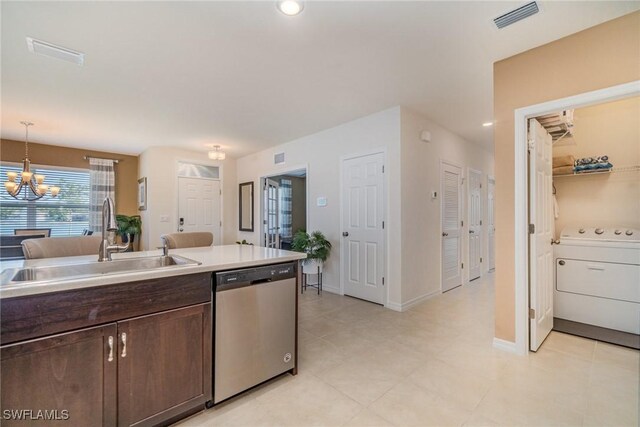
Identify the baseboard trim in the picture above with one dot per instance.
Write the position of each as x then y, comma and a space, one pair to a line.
395, 306
505, 345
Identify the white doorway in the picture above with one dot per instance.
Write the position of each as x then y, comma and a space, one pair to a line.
523, 268
491, 223
451, 224
363, 235
199, 206
270, 195
540, 234
474, 205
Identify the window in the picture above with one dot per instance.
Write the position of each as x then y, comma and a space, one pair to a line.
65, 215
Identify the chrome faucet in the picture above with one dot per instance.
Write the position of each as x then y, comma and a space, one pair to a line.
109, 228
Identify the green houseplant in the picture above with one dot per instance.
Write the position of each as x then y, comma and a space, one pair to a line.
316, 246
129, 225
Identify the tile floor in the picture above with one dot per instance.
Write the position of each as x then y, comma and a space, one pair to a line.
434, 365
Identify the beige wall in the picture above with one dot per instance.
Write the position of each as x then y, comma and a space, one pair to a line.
160, 166
53, 155
599, 57
605, 200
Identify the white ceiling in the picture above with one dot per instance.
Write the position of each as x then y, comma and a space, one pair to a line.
242, 75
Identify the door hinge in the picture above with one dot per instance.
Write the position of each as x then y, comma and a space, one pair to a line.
462, 265
480, 259
480, 185
532, 313
480, 222
461, 223
383, 281
221, 192
382, 168
220, 223
383, 225
532, 228
530, 145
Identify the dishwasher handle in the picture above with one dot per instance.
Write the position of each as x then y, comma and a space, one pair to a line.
258, 281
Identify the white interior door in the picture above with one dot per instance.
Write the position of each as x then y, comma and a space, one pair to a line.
475, 224
271, 219
491, 221
363, 254
540, 234
451, 181
199, 206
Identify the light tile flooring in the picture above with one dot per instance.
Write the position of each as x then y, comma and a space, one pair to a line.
363, 365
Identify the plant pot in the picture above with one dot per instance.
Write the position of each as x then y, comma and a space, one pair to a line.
310, 266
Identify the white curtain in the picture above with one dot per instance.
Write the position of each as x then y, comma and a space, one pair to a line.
103, 184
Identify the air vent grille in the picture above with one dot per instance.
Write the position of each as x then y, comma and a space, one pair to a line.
517, 15
278, 158
53, 51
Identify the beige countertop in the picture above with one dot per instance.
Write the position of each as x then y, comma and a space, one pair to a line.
211, 259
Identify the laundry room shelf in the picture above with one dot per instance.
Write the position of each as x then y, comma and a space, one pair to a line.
602, 171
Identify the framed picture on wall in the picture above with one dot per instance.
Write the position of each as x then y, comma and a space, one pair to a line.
142, 194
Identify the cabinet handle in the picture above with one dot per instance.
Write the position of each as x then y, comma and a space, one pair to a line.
110, 341
123, 337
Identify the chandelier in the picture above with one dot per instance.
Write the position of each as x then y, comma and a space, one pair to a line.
217, 153
27, 185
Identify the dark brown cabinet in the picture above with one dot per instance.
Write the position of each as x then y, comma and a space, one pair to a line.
164, 365
147, 362
66, 379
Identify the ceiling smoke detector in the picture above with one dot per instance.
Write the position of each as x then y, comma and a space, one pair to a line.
516, 15
53, 51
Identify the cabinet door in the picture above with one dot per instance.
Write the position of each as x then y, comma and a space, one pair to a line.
164, 365
66, 379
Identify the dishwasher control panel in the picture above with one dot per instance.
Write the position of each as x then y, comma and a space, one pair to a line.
255, 276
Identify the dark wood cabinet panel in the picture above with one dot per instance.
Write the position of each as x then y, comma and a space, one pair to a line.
40, 315
69, 372
164, 365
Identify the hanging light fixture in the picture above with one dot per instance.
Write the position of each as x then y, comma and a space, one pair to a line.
217, 153
26, 185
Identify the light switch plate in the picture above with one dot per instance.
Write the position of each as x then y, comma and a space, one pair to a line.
321, 201
164, 218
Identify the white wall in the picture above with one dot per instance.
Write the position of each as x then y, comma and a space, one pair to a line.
421, 240
321, 153
160, 166
602, 200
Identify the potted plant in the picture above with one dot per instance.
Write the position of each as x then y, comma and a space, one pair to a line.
129, 225
317, 248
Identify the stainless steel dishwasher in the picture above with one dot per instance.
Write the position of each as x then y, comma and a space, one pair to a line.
255, 327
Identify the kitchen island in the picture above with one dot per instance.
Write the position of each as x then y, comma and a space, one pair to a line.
121, 348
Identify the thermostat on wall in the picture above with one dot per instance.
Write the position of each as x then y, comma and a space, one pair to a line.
321, 201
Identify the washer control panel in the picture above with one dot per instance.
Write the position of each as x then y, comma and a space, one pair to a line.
600, 234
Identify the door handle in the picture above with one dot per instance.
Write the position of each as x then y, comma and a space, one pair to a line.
471, 232
345, 234
445, 234
123, 337
595, 267
110, 341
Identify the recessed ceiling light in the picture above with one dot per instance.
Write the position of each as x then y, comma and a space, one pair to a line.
487, 124
290, 7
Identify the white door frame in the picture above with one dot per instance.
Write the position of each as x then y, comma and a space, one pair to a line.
461, 210
521, 115
471, 170
490, 178
385, 211
279, 172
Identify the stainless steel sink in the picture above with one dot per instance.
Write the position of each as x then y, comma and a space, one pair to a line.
71, 271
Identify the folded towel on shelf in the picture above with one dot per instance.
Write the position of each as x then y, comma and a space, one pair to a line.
567, 160
591, 160
563, 170
592, 167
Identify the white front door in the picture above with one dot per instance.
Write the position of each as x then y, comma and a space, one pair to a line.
363, 254
271, 218
475, 224
451, 179
540, 234
199, 206
491, 221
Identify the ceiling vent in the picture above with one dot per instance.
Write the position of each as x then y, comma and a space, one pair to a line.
53, 51
278, 158
516, 15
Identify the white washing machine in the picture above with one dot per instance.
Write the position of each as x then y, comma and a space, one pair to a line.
597, 277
